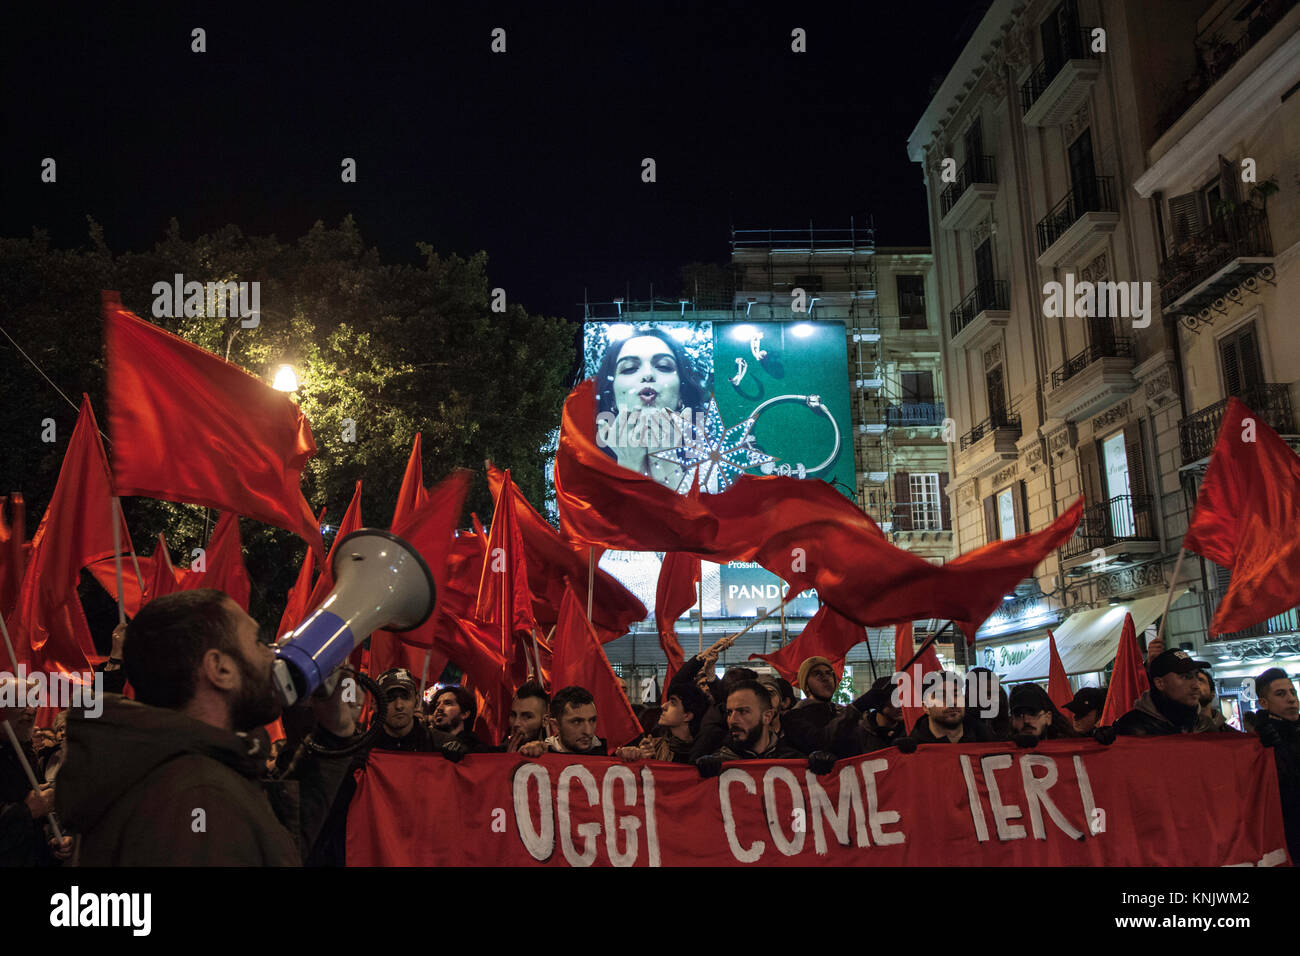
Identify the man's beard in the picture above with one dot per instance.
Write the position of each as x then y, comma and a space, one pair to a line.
948, 721
257, 703
750, 740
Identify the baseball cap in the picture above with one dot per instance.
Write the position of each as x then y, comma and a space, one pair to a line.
1176, 661
1029, 697
1086, 700
396, 677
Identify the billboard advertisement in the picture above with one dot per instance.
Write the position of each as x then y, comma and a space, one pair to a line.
689, 402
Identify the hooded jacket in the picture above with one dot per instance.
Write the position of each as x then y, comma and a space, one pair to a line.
1155, 715
148, 786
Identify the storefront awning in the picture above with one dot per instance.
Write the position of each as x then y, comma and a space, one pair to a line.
1087, 641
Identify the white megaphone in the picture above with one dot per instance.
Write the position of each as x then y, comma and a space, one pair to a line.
380, 583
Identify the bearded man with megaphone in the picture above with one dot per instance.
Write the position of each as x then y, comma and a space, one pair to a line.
176, 777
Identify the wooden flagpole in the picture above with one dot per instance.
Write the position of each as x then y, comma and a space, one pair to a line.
31, 777
591, 578
9, 645
1169, 595
139, 578
113, 507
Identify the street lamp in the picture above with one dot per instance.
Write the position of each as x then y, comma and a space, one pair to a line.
286, 379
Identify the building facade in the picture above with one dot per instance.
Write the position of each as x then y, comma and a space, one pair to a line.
1105, 281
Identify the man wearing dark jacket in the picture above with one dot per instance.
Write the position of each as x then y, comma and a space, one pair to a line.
453, 716
946, 719
403, 728
23, 840
805, 724
870, 723
1034, 714
170, 778
1173, 704
1278, 726
573, 718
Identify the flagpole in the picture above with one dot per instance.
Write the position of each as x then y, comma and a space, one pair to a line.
117, 558
700, 586
31, 777
9, 645
928, 641
591, 578
783, 635
1169, 595
537, 656
746, 629
424, 674
131, 544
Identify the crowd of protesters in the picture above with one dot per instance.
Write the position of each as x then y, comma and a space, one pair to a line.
185, 773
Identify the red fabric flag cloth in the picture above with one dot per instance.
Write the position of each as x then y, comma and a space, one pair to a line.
351, 522
412, 494
829, 634
580, 661
76, 530
552, 561
1058, 684
295, 604
1246, 518
674, 596
13, 554
223, 563
927, 663
1128, 678
503, 596
805, 532
189, 426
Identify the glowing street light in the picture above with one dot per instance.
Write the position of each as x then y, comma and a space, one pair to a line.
286, 379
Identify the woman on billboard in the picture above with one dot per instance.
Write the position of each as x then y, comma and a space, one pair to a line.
646, 390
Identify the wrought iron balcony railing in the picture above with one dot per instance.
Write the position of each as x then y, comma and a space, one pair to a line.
1270, 402
915, 414
1241, 233
1112, 346
1094, 194
976, 169
985, 296
1078, 46
989, 426
1283, 623
1123, 518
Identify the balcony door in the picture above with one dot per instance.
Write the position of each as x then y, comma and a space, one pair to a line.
997, 396
1242, 372
973, 141
1083, 174
986, 296
1118, 490
1059, 33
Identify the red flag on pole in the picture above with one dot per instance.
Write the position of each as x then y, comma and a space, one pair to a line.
189, 426
1058, 684
674, 596
223, 563
1128, 678
580, 661
412, 495
1246, 517
829, 634
503, 595
76, 530
927, 663
295, 604
805, 532
552, 561
351, 522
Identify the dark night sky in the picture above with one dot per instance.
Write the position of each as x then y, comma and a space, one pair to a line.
534, 155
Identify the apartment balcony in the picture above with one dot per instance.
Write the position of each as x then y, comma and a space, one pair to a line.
1078, 223
1279, 625
915, 414
966, 201
1123, 529
1093, 379
1052, 94
989, 445
1270, 402
981, 316
1229, 253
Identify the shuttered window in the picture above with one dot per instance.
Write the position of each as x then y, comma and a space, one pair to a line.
902, 502
1241, 367
1185, 215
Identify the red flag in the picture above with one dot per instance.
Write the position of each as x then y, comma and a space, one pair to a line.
580, 661
76, 530
805, 532
503, 595
674, 596
829, 634
13, 554
1058, 685
1128, 678
295, 605
189, 426
412, 495
551, 561
927, 663
351, 522
223, 563
1246, 518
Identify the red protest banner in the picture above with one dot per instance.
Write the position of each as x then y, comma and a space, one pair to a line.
1064, 803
